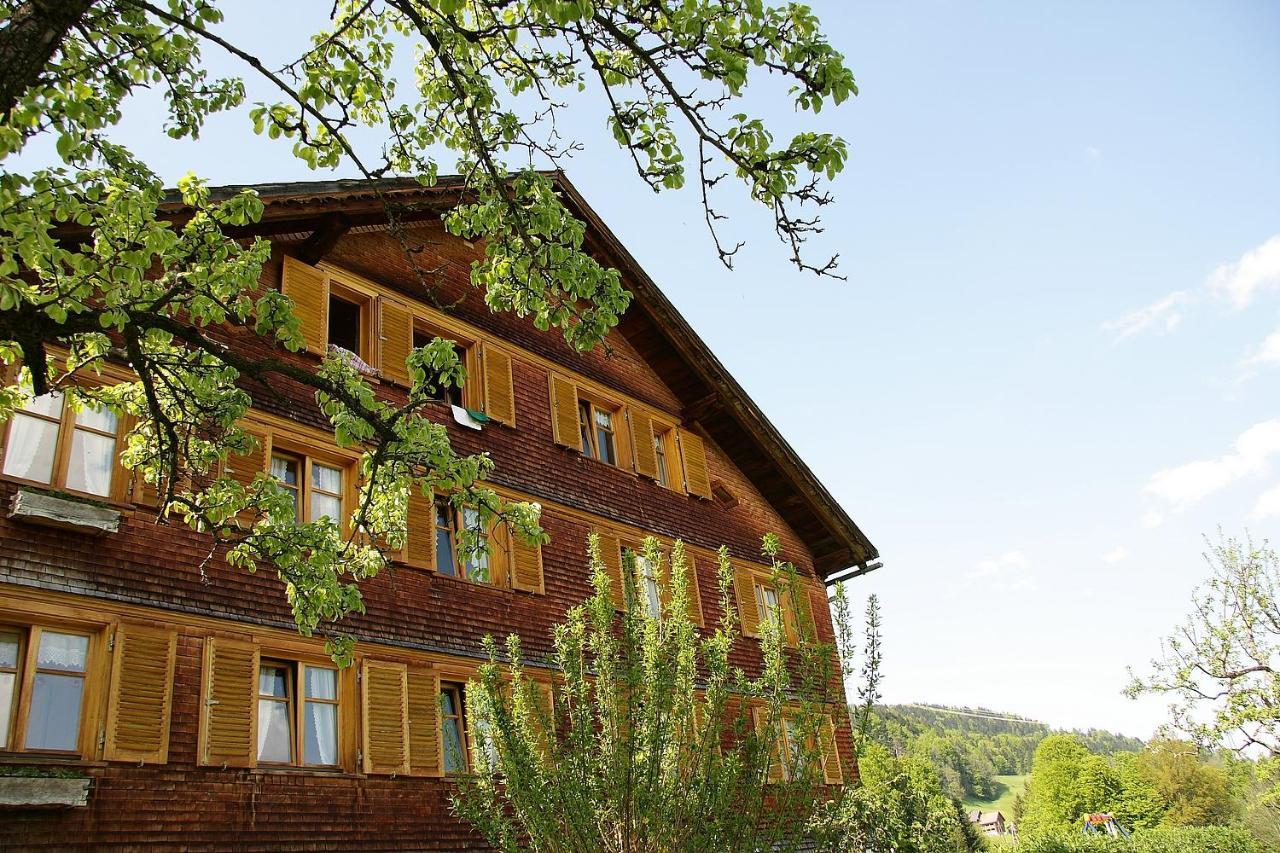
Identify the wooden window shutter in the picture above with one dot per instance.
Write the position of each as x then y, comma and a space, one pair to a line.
695, 594
693, 458
139, 695
694, 607
744, 588
499, 389
244, 467
420, 534
425, 755
564, 413
386, 717
817, 606
228, 716
545, 717
395, 333
308, 287
611, 556
526, 564
831, 773
760, 715
643, 455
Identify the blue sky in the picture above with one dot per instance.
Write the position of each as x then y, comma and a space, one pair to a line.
984, 393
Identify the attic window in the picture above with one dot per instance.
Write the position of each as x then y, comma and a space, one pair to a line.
723, 496
345, 324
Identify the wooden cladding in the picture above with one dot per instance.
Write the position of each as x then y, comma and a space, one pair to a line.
140, 694
386, 717
228, 712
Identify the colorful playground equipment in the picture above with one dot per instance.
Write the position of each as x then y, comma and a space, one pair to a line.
1102, 823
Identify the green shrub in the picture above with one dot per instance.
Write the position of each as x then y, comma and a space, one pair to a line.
1201, 839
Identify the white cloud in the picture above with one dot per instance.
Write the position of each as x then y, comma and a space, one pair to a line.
1181, 486
1266, 355
1162, 316
1267, 505
1152, 518
1115, 555
1256, 271
1007, 564
1093, 152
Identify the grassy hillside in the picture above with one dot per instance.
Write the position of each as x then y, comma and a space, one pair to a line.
1009, 787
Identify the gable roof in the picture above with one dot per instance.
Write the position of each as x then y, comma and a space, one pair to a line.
713, 401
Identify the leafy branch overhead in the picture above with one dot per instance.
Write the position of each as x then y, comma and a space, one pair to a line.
98, 263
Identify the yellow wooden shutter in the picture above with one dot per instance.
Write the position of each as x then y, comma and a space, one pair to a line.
386, 717
564, 413
395, 331
760, 715
695, 596
228, 716
611, 556
424, 723
526, 563
244, 467
308, 287
499, 390
831, 773
646, 460
420, 535
744, 587
693, 458
817, 606
140, 694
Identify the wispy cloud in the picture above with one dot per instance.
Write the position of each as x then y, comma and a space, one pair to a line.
1257, 270
1267, 354
1116, 555
1184, 485
1164, 315
1009, 570
1267, 504
1237, 283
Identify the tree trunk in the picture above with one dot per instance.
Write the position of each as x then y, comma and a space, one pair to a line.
29, 41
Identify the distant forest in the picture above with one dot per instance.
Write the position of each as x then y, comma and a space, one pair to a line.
969, 747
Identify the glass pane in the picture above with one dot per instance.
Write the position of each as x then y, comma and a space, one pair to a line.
31, 447
8, 650
92, 461
604, 419
62, 651
653, 601
605, 440
321, 683
326, 478
7, 682
49, 404
325, 506
273, 681
274, 741
320, 733
54, 722
584, 423
285, 470
97, 417
477, 560
455, 760
447, 704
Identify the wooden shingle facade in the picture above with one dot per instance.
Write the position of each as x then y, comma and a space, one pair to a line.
177, 684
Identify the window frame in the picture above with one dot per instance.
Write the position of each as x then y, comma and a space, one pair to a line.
458, 691
589, 431
472, 391
67, 426
307, 455
24, 685
296, 702
342, 290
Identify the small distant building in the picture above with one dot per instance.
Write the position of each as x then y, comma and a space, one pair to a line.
991, 823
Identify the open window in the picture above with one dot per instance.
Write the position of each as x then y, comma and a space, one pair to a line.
598, 422
453, 728
453, 557
350, 326
466, 396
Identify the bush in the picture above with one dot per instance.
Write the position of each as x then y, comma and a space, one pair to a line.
1200, 839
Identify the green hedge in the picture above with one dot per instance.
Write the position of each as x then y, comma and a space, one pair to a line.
1209, 839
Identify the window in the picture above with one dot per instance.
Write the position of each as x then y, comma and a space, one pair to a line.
652, 595
349, 321
52, 444
451, 394
453, 728
297, 714
660, 440
767, 602
450, 523
598, 438
797, 747
317, 487
42, 675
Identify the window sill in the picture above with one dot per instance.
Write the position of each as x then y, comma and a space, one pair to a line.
43, 792
47, 510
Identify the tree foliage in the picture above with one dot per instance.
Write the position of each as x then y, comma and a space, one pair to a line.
650, 742
1219, 669
97, 263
